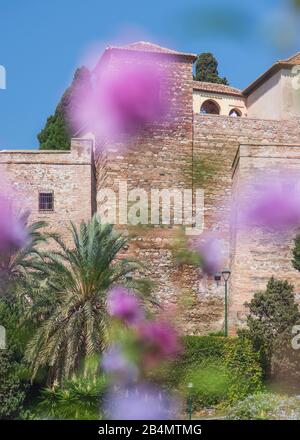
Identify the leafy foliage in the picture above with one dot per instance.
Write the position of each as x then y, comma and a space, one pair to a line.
16, 265
78, 399
72, 303
245, 375
266, 406
222, 370
207, 69
16, 274
57, 132
12, 391
272, 314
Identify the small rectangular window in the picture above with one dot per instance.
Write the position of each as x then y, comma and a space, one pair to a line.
46, 201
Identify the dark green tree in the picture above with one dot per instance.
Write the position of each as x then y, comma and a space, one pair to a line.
207, 69
272, 315
57, 133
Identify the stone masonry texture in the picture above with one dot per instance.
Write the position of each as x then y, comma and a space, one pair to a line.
68, 174
169, 155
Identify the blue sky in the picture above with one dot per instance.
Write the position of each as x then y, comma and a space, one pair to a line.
42, 42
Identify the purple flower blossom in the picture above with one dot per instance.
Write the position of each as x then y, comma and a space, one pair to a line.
123, 98
160, 338
12, 228
211, 251
124, 305
273, 204
131, 97
141, 402
115, 363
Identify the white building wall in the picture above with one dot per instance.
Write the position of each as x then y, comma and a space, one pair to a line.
276, 98
265, 102
290, 86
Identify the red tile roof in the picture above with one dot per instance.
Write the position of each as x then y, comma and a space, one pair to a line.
293, 60
216, 88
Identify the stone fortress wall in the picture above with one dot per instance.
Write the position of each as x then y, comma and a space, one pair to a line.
257, 255
160, 158
239, 146
216, 141
168, 156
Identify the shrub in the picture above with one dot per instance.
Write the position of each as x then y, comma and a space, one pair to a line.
221, 369
266, 406
80, 398
203, 347
12, 392
272, 315
245, 372
12, 377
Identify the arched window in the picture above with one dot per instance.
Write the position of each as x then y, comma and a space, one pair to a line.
235, 113
210, 107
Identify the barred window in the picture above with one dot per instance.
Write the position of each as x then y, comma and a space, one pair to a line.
46, 201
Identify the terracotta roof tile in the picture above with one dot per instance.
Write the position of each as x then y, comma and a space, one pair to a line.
216, 88
293, 61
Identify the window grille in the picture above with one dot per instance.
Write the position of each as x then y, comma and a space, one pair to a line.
46, 201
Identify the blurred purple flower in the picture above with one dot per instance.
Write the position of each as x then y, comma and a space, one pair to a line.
115, 363
161, 338
12, 228
124, 305
123, 98
141, 402
211, 251
271, 204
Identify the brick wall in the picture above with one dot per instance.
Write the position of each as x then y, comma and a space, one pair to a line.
216, 142
257, 254
159, 157
68, 174
167, 157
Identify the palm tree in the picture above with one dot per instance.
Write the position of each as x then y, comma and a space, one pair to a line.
17, 279
78, 278
17, 264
